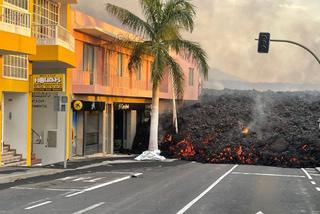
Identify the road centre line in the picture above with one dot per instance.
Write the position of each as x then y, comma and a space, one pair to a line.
314, 183
318, 189
89, 208
38, 205
101, 185
185, 208
305, 172
265, 174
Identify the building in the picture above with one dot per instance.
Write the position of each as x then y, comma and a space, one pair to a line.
37, 52
109, 102
47, 50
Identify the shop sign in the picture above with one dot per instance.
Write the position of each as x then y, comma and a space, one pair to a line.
48, 82
131, 106
123, 106
79, 105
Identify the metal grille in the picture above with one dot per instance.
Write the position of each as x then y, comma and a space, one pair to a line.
19, 3
46, 13
15, 16
15, 66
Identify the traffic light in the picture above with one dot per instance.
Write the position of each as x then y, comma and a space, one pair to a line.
264, 41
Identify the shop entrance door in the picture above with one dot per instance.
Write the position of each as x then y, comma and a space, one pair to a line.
91, 132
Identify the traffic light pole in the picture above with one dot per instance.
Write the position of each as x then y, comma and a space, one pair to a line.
297, 44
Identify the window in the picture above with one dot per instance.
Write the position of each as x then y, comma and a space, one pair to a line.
45, 12
139, 70
120, 65
15, 66
16, 13
106, 67
191, 76
24, 4
45, 18
89, 61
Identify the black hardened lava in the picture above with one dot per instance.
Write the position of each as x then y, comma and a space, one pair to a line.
247, 127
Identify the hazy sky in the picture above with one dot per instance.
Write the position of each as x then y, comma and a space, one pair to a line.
227, 29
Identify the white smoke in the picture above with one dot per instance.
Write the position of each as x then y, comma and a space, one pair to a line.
227, 29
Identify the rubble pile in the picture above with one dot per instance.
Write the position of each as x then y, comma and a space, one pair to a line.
247, 127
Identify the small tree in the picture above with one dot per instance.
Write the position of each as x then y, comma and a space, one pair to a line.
161, 29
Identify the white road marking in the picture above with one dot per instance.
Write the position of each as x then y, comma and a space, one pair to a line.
305, 172
34, 202
89, 208
317, 175
82, 178
66, 178
185, 208
259, 212
38, 205
101, 185
48, 189
318, 189
24, 188
263, 174
314, 183
93, 180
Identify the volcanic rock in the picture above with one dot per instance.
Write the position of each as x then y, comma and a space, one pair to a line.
280, 129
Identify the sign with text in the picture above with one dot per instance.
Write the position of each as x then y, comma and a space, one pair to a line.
79, 105
48, 82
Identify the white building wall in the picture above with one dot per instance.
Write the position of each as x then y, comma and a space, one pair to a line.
44, 118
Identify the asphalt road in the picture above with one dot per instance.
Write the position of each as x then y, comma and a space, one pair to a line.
176, 187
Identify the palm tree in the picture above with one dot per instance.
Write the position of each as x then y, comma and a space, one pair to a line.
161, 32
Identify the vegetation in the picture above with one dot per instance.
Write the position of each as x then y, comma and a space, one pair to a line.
161, 28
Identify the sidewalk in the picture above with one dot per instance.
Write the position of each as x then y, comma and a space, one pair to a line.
11, 174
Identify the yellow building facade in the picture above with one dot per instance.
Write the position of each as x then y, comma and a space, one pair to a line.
36, 55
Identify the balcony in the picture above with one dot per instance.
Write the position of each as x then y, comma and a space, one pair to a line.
15, 20
85, 82
53, 35
55, 47
15, 30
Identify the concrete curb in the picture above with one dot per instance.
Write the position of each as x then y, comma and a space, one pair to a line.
36, 173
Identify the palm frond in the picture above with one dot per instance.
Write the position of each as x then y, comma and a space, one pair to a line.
131, 20
158, 65
152, 9
179, 13
190, 51
138, 50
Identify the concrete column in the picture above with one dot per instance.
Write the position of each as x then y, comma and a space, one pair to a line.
29, 127
80, 133
110, 132
131, 128
104, 131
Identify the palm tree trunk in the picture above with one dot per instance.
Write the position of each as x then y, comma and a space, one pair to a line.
174, 110
153, 140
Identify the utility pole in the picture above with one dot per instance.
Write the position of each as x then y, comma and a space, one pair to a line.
264, 40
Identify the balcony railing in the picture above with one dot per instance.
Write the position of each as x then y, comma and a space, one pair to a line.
48, 34
15, 20
109, 79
